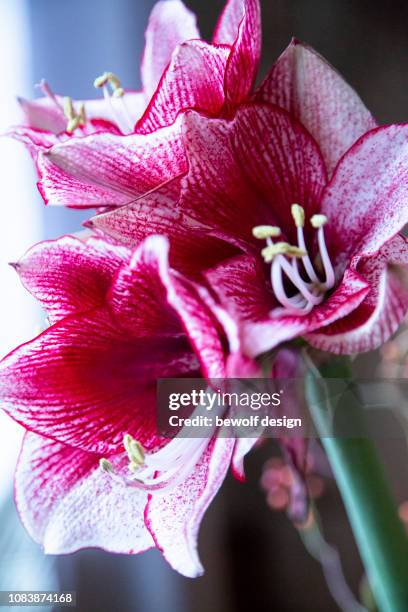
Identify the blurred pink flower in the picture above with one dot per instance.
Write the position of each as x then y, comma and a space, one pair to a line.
120, 320
179, 70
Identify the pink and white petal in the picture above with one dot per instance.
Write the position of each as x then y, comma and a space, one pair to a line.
138, 297
226, 30
147, 285
170, 24
379, 316
248, 171
305, 84
44, 114
34, 139
243, 62
193, 79
69, 276
174, 519
86, 383
366, 199
110, 170
67, 503
241, 287
193, 249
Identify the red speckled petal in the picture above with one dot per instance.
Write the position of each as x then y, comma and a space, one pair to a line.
69, 276
174, 518
109, 170
305, 84
379, 316
193, 79
170, 23
366, 200
67, 503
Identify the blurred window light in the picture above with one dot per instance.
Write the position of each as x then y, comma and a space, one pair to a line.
20, 218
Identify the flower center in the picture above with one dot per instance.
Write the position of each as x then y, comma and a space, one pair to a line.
75, 118
113, 93
160, 470
292, 263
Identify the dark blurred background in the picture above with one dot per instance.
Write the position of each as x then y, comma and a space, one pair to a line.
253, 556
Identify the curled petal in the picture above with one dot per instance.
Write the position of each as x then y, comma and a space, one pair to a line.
242, 447
383, 309
149, 298
243, 293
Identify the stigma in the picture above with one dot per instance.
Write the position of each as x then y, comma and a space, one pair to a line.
293, 263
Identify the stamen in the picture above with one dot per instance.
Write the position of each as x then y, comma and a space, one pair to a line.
281, 248
121, 116
135, 452
298, 214
74, 119
284, 258
82, 114
262, 232
318, 221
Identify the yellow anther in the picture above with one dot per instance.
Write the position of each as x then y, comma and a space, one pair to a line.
113, 80
105, 465
100, 81
265, 231
318, 221
69, 111
134, 450
281, 248
298, 214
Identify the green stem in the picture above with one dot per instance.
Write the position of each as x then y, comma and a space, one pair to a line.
372, 512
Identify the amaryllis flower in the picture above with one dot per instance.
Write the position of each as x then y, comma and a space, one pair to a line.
85, 389
110, 170
179, 70
320, 258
